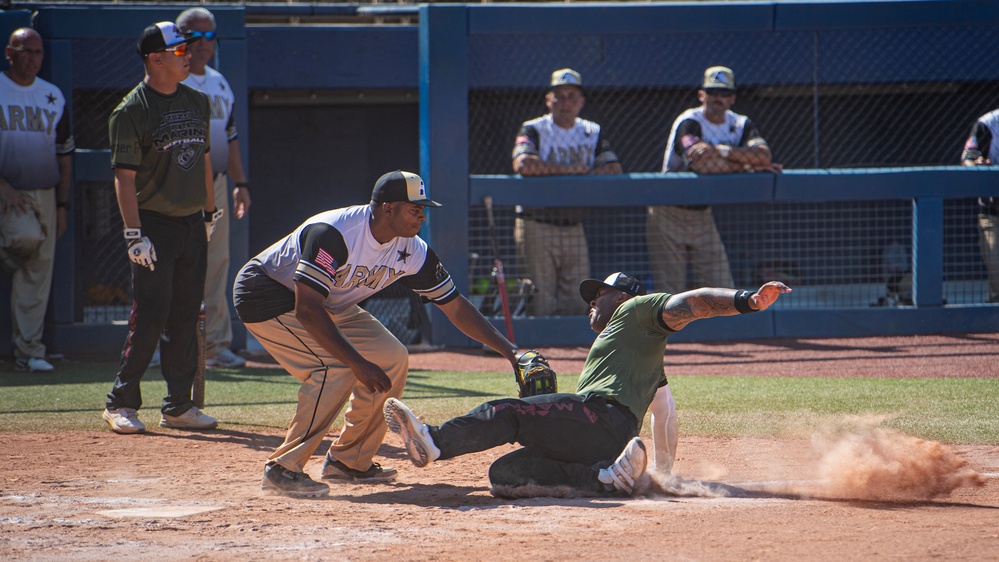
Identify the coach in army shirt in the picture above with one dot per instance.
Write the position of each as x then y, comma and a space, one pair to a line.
35, 174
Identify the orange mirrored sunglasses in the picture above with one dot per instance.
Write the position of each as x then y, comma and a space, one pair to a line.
178, 51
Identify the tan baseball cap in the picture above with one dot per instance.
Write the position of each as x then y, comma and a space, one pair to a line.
566, 77
720, 77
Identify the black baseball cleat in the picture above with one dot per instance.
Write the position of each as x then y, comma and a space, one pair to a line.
339, 472
279, 481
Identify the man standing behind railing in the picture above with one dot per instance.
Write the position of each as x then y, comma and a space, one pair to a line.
979, 150
709, 139
551, 242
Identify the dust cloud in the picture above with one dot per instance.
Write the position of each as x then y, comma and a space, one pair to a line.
856, 459
875, 463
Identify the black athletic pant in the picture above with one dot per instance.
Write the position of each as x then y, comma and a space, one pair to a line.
165, 302
566, 438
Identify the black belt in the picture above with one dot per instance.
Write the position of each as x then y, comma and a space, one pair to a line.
624, 410
694, 207
551, 221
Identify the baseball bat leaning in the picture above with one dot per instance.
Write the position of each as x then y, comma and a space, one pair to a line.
198, 391
498, 271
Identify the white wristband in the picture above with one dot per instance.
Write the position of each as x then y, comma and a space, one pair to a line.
133, 233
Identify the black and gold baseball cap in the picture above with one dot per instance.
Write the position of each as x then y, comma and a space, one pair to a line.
620, 281
401, 186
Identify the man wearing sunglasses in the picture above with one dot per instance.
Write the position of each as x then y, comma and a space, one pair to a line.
226, 162
163, 180
708, 139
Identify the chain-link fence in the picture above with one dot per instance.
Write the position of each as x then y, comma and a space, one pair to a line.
818, 104
844, 254
108, 70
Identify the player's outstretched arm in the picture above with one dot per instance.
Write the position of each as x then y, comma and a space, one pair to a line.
683, 308
470, 321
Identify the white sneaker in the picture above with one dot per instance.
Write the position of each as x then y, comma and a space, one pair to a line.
191, 419
226, 358
34, 365
415, 434
628, 467
155, 361
124, 420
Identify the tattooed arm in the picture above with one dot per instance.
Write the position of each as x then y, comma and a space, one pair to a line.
684, 308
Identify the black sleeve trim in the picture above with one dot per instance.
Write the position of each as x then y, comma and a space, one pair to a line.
432, 282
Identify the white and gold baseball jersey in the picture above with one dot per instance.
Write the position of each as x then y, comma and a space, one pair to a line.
692, 126
34, 128
581, 143
335, 253
223, 124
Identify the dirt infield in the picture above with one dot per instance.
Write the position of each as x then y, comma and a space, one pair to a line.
172, 495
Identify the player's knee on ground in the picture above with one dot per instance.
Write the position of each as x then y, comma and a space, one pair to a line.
509, 470
522, 470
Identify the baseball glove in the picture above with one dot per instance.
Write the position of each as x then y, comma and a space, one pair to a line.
534, 375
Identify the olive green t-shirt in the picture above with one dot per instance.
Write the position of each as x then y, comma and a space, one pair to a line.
164, 138
625, 363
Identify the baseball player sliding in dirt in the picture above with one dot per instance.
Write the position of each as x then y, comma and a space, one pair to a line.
570, 441
299, 300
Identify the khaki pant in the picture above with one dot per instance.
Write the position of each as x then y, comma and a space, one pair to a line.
989, 229
327, 384
678, 238
32, 238
218, 321
555, 259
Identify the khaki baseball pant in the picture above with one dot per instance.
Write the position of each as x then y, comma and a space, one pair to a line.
555, 258
988, 226
327, 384
30, 285
218, 321
678, 238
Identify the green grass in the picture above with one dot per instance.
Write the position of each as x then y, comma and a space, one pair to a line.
950, 410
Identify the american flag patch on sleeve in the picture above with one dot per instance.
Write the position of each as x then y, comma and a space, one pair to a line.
324, 259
